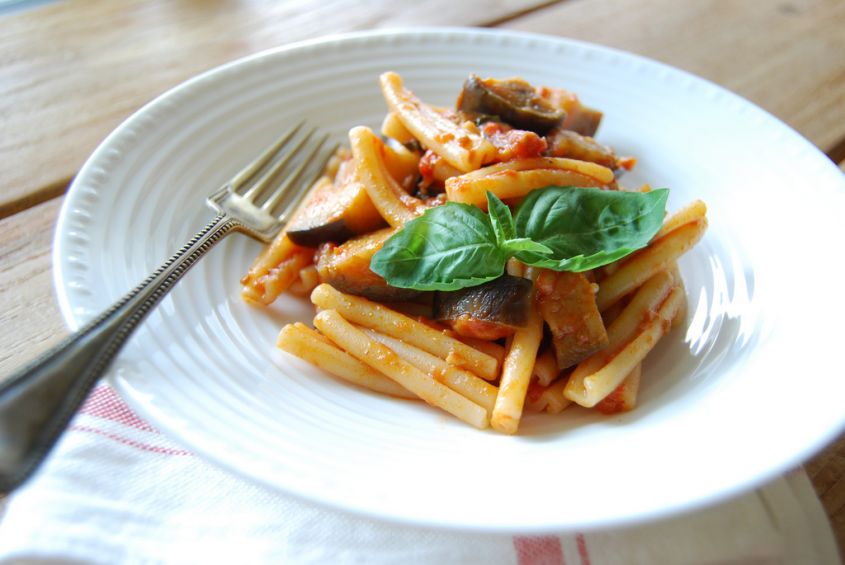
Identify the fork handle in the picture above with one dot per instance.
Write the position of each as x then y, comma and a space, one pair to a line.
38, 401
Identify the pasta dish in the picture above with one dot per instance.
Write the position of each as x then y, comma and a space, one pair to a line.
485, 258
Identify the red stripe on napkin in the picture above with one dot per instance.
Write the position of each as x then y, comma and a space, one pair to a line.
582, 549
540, 550
104, 403
130, 442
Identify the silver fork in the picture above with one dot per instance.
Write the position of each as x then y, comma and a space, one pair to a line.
38, 401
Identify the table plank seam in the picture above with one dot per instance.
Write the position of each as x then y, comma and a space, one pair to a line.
47, 192
520, 13
837, 151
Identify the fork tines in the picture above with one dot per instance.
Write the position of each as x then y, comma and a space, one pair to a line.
288, 163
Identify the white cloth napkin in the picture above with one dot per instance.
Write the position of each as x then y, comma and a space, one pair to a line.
117, 491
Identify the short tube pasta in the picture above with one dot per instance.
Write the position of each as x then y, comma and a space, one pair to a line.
516, 179
463, 148
479, 391
640, 266
695, 211
643, 307
373, 315
384, 360
549, 399
545, 368
305, 282
516, 374
403, 165
491, 348
623, 397
588, 390
393, 128
394, 205
297, 339
263, 285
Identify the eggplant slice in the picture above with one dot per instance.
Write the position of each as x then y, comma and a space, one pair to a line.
489, 311
513, 101
568, 305
347, 268
583, 120
573, 145
334, 211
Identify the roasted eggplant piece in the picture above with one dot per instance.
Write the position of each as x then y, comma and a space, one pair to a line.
573, 145
513, 101
347, 268
568, 305
579, 118
584, 120
489, 311
334, 211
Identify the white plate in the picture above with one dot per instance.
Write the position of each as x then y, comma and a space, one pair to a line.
752, 387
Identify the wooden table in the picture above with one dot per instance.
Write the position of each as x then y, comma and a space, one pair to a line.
72, 71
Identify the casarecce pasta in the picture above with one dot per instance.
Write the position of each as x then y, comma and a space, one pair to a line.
522, 315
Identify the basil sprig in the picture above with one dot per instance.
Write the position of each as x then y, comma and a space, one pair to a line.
560, 228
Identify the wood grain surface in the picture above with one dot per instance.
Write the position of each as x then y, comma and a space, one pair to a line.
786, 57
72, 71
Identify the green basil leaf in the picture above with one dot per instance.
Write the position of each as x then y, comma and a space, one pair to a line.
513, 246
501, 219
587, 227
449, 247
